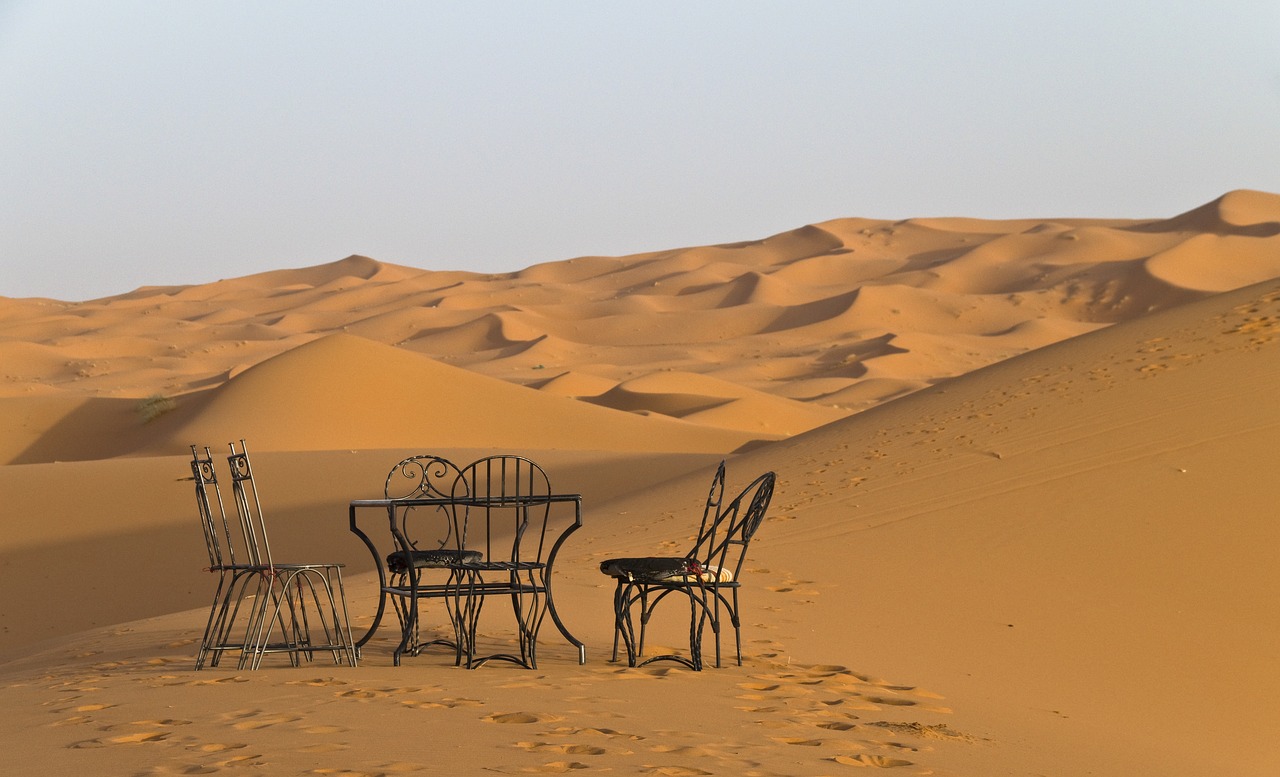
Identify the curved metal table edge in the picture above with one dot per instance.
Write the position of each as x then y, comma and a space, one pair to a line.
390, 506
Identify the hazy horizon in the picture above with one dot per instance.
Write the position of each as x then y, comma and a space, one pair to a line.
157, 144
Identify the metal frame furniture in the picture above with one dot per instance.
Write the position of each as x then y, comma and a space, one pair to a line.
507, 529
305, 602
708, 576
504, 502
422, 534
234, 575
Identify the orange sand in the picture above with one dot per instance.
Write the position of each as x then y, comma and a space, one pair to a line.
1024, 521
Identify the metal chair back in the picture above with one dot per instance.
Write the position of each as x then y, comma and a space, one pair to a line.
244, 492
502, 499
218, 538
424, 477
723, 545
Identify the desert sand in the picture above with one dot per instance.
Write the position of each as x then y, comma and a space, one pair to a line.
1024, 521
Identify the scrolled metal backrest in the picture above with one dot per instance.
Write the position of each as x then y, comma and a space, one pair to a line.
245, 494
505, 492
724, 545
710, 512
424, 477
217, 530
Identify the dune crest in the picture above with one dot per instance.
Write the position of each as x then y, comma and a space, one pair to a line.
1023, 524
345, 391
962, 292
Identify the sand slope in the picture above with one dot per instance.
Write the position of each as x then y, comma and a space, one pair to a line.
829, 319
1082, 535
1057, 563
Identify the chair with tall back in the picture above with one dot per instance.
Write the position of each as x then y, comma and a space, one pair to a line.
504, 509
235, 574
708, 575
421, 521
306, 602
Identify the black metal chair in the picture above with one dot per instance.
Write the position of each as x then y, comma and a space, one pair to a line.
708, 575
306, 602
234, 574
503, 510
422, 534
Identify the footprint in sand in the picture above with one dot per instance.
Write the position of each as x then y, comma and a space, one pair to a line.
318, 682
265, 721
92, 707
924, 731
324, 729
863, 759
324, 747
363, 694
217, 747
609, 733
800, 741
221, 680
520, 717
565, 749
890, 701
184, 767
558, 767
154, 733
414, 704
142, 737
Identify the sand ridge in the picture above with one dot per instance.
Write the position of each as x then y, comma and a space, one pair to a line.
1022, 523
828, 319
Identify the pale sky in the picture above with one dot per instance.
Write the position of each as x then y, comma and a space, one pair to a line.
165, 143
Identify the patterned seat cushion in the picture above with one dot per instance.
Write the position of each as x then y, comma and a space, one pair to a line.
657, 569
431, 559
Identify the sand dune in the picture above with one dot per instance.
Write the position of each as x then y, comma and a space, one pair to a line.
1085, 528
842, 283
1021, 526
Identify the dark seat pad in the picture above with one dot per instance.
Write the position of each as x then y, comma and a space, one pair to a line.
646, 568
432, 559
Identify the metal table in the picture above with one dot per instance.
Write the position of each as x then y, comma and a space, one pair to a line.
390, 506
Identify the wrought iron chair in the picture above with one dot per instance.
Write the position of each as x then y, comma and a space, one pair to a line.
503, 509
422, 526
708, 575
234, 574
287, 596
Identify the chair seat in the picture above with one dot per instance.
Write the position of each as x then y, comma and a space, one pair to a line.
431, 559
500, 566
660, 569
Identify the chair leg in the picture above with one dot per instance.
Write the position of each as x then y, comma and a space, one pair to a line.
407, 614
458, 613
344, 627
467, 608
737, 626
715, 622
334, 641
530, 609
210, 629
617, 617
281, 600
254, 627
227, 615
644, 621
697, 618
627, 596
